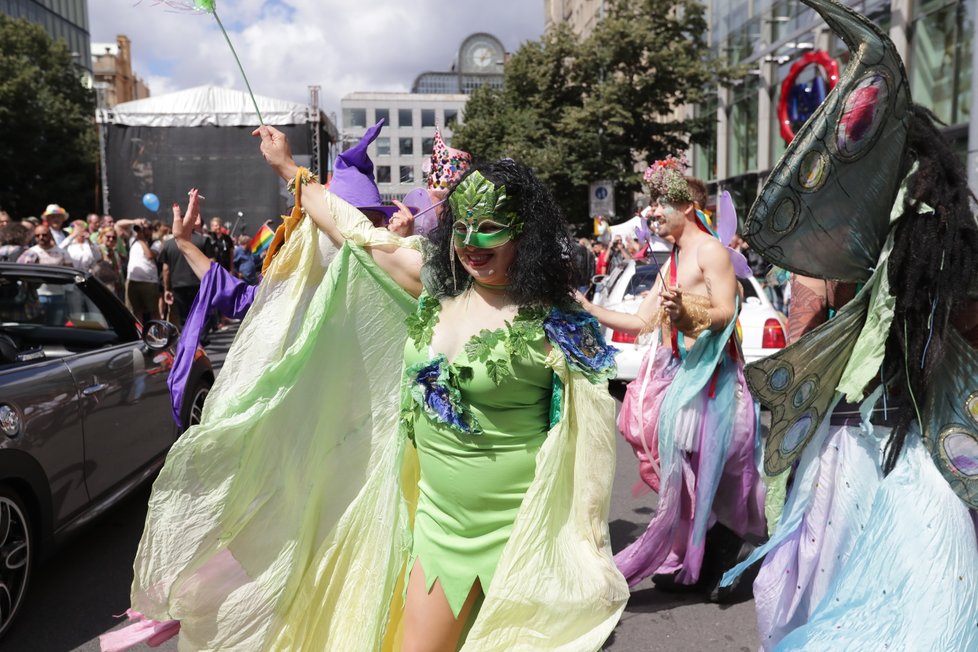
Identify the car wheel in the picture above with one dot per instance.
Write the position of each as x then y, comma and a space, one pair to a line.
16, 555
194, 401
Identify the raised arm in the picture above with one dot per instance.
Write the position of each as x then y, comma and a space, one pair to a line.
183, 228
334, 218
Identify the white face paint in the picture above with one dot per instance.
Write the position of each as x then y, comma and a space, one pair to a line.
668, 219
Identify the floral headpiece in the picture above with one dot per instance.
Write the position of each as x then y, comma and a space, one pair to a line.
667, 178
478, 197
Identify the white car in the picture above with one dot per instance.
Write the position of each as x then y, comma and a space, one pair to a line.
762, 328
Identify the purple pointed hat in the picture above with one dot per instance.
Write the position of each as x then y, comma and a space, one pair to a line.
353, 176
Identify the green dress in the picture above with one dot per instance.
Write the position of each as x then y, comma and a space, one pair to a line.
250, 558
477, 447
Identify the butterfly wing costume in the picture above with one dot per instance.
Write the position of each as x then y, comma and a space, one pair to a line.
860, 557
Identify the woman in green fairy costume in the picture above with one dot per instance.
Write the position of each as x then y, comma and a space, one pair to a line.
481, 394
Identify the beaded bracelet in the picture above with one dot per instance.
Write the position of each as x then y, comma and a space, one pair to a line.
304, 177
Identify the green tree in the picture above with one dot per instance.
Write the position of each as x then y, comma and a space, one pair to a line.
48, 147
579, 110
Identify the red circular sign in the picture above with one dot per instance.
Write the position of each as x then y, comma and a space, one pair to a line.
819, 58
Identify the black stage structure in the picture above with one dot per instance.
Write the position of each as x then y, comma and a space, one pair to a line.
201, 138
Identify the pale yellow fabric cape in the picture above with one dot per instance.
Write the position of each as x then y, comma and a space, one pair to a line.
283, 520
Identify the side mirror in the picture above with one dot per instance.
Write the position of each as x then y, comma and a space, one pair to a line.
159, 335
598, 278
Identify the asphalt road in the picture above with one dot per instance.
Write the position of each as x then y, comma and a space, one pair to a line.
78, 589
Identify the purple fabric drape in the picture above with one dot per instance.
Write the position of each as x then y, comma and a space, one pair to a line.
219, 291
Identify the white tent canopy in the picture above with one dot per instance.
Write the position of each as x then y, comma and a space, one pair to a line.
628, 228
209, 106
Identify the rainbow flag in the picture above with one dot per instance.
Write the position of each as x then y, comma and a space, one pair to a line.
261, 240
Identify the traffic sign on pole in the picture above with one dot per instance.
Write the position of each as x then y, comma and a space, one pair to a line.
602, 198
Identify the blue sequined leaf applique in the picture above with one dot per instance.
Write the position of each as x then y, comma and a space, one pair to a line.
578, 335
434, 388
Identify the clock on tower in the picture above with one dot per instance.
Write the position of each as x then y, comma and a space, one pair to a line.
481, 53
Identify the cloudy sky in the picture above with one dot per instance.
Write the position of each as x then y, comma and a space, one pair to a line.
286, 45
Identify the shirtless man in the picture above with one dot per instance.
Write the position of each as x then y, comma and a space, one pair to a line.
689, 418
703, 267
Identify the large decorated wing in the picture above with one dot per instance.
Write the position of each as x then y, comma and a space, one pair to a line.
798, 383
824, 210
951, 419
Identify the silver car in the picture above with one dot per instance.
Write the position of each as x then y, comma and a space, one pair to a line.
85, 413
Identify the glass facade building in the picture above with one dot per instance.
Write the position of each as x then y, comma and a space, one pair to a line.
935, 38
64, 20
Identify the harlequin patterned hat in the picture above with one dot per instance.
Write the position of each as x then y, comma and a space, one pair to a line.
54, 209
447, 164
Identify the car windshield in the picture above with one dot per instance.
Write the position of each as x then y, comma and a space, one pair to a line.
643, 280
749, 290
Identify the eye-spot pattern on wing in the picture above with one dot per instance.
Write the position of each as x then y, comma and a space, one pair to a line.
799, 433
798, 383
863, 113
971, 407
960, 450
824, 210
951, 429
813, 170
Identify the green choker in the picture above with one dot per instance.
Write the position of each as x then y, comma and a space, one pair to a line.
491, 286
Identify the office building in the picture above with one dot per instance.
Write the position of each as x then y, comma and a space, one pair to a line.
479, 62
581, 15
436, 101
407, 139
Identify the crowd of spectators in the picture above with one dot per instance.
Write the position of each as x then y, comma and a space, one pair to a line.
138, 261
135, 258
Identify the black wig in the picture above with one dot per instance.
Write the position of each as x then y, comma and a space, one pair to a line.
542, 271
932, 267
